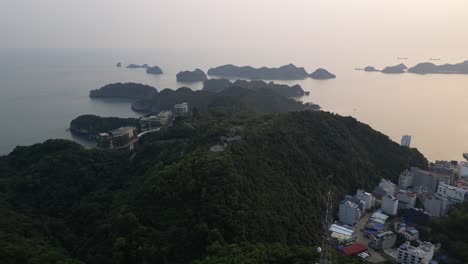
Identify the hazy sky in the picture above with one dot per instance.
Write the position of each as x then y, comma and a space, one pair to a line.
274, 25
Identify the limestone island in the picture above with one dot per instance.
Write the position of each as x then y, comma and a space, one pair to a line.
322, 74
154, 70
286, 72
124, 90
400, 68
219, 85
136, 66
431, 68
192, 76
370, 69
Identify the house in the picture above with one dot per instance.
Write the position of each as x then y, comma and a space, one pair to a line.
341, 234
406, 199
163, 119
368, 198
389, 205
452, 193
349, 212
121, 138
383, 240
405, 180
354, 249
422, 254
436, 205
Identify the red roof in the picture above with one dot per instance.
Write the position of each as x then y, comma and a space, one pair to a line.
354, 249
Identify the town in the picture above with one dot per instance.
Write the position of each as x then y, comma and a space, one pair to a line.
385, 224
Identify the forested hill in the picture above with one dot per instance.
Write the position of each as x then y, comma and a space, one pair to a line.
260, 201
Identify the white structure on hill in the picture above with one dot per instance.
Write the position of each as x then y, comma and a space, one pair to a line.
181, 109
408, 254
349, 212
389, 205
406, 141
385, 187
367, 198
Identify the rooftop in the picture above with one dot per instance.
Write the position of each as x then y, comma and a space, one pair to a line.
341, 230
354, 249
122, 131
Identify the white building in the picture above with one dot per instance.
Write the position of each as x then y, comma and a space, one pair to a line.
406, 141
405, 180
389, 205
408, 254
436, 205
349, 213
410, 233
367, 198
181, 109
406, 199
388, 186
452, 193
425, 179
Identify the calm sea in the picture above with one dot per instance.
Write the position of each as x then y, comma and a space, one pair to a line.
41, 91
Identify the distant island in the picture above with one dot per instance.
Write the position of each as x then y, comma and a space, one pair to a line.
219, 85
154, 70
322, 74
136, 66
287, 72
124, 90
370, 69
118, 65
431, 68
400, 68
191, 76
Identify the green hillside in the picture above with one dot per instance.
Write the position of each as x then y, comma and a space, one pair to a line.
175, 201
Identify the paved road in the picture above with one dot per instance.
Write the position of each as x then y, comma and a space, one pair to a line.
375, 257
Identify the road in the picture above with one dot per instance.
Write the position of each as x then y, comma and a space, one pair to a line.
375, 257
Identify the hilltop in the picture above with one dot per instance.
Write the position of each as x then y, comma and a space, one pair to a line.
176, 201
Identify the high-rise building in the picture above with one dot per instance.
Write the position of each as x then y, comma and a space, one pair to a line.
366, 197
389, 205
422, 254
452, 193
406, 199
349, 212
405, 180
436, 205
385, 187
425, 179
406, 141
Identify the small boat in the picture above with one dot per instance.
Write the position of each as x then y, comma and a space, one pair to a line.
404, 58
358, 69
434, 59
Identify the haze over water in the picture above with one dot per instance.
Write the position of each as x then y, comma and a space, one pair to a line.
52, 52
43, 90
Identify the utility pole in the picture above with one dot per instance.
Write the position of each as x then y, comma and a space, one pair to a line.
324, 251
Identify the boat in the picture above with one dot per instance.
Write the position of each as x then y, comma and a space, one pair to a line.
434, 59
404, 58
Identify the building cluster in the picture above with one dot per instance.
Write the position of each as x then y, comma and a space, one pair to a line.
419, 196
127, 137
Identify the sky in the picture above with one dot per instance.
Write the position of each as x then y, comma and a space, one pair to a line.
255, 25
